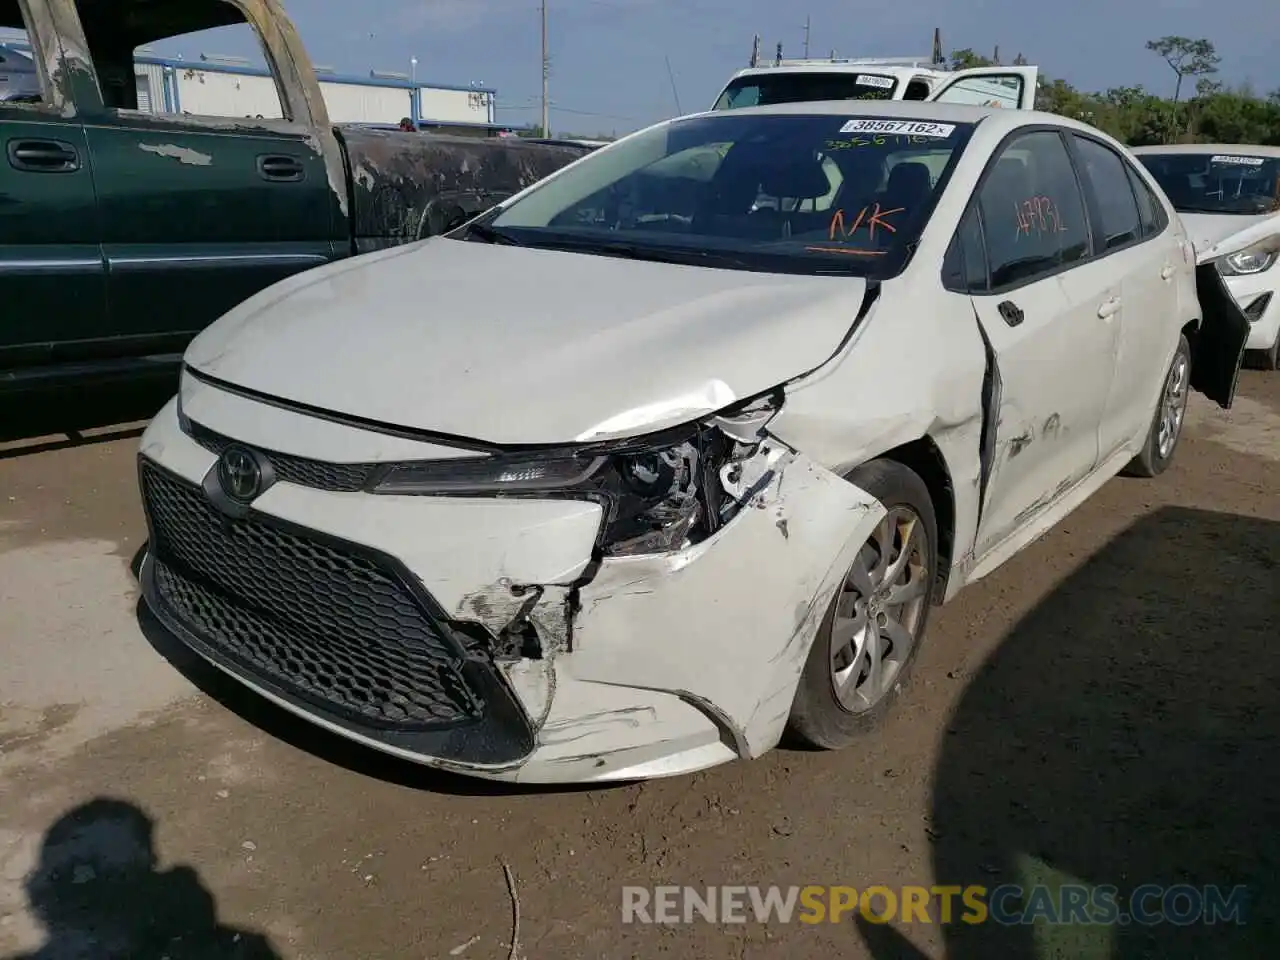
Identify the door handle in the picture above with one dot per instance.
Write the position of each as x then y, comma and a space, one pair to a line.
43, 156
280, 169
1167, 272
1109, 308
1011, 312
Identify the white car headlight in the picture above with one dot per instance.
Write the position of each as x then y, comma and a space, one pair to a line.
1253, 260
658, 494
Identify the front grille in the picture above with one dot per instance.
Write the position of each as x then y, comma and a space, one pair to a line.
319, 621
335, 477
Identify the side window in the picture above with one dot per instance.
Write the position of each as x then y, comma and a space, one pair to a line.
19, 75
965, 267
917, 89
196, 57
994, 90
1033, 213
1117, 208
1150, 209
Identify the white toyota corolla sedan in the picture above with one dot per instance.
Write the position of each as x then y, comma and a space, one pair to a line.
1222, 191
675, 450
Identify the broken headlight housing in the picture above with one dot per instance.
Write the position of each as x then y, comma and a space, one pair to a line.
1249, 261
658, 495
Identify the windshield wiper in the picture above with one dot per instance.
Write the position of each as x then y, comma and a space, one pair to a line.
482, 231
641, 251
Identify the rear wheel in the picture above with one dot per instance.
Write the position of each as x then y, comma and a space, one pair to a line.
873, 629
1171, 412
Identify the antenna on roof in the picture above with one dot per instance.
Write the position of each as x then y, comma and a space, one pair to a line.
778, 57
755, 51
937, 46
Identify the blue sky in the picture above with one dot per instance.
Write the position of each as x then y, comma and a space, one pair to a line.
609, 57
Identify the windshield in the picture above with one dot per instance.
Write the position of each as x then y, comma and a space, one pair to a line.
1217, 183
763, 89
768, 192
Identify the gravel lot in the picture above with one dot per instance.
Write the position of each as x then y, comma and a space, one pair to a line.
1103, 709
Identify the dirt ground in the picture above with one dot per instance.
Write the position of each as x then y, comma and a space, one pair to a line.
1103, 710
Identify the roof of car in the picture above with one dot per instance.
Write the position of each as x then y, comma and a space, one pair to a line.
1248, 149
1003, 117
835, 66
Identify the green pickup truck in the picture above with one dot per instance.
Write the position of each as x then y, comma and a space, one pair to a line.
124, 232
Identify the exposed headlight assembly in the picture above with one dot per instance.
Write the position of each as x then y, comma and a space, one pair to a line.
1249, 261
659, 494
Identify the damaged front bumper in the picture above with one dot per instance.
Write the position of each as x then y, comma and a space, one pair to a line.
479, 635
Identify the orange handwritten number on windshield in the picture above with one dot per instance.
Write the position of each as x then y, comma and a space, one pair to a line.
877, 219
1037, 215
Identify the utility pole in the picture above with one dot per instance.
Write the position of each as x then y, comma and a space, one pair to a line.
806, 36
546, 76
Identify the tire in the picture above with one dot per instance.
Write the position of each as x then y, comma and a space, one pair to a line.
819, 716
1156, 455
1270, 359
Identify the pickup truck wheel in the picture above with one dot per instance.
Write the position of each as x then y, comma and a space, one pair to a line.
1171, 413
873, 629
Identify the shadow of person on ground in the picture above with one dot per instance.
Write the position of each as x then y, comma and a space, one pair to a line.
1127, 732
98, 894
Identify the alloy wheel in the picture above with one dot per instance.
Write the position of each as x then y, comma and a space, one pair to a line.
1173, 405
880, 610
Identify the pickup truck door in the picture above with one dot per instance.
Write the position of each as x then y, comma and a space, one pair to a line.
201, 212
54, 283
1010, 87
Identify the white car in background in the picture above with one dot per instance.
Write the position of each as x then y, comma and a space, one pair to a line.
693, 470
1224, 192
873, 78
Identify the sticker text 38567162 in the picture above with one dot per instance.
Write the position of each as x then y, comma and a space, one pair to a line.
916, 128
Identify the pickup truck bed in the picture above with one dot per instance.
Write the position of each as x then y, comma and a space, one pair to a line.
123, 232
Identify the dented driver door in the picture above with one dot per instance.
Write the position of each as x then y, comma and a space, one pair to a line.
1050, 323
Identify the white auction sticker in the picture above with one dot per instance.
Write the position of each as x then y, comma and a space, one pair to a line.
1239, 161
906, 128
871, 80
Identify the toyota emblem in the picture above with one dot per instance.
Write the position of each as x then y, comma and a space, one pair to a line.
240, 473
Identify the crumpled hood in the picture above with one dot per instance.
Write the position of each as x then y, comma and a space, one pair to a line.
518, 346
1217, 235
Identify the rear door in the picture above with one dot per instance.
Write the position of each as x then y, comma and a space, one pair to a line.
214, 199
1010, 87
1147, 260
53, 281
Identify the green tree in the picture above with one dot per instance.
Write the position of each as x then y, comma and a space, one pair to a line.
967, 59
1186, 58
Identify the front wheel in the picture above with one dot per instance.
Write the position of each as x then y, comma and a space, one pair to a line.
874, 627
1171, 412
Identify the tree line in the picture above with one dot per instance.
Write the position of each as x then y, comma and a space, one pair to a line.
1201, 109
